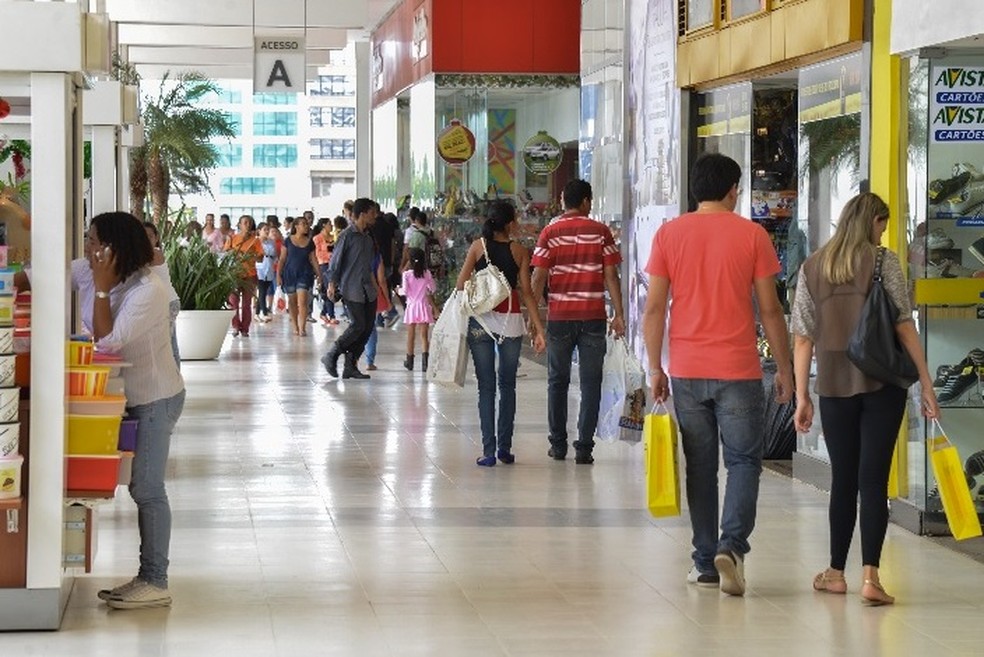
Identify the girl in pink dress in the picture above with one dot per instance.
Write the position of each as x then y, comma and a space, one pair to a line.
419, 287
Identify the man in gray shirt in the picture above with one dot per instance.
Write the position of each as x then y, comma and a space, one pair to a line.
350, 273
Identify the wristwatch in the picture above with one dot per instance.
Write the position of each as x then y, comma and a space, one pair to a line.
102, 295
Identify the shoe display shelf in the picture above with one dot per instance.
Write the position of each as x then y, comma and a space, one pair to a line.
950, 317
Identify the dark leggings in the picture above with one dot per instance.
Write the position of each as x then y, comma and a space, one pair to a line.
261, 298
860, 432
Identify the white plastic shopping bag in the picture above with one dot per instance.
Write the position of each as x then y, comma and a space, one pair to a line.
612, 391
623, 395
448, 345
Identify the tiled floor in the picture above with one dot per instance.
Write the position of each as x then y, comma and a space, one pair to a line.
319, 517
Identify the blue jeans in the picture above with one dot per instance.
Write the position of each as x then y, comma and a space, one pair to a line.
734, 412
156, 422
589, 339
483, 349
371, 346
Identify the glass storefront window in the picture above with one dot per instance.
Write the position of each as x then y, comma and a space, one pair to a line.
830, 170
742, 8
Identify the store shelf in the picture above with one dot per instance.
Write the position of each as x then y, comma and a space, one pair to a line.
89, 495
16, 503
949, 291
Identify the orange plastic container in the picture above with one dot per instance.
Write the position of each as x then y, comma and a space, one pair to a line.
93, 473
93, 434
87, 381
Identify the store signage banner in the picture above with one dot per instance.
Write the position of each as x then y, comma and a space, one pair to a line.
456, 143
725, 111
830, 90
278, 65
542, 153
957, 105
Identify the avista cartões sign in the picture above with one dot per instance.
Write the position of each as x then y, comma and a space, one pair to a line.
957, 110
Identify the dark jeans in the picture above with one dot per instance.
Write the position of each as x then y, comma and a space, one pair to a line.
353, 341
710, 411
327, 305
265, 288
483, 349
589, 339
860, 432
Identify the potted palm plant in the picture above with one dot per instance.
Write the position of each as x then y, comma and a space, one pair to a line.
178, 152
203, 281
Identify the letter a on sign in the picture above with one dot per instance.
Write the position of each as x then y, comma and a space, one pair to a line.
278, 65
279, 74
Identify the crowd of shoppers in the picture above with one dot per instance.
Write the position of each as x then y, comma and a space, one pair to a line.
718, 268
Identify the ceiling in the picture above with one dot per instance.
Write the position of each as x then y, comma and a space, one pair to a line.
215, 37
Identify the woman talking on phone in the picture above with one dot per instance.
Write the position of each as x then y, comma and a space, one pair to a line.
125, 308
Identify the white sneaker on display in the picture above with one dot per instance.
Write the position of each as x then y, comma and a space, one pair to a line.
938, 239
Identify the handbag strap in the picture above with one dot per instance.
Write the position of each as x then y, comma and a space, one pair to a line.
879, 258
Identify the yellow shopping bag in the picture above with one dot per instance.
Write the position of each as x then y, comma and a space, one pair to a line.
662, 467
952, 484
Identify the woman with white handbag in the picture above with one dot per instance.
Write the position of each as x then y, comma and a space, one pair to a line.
497, 269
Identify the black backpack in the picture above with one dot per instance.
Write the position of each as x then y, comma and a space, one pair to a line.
433, 252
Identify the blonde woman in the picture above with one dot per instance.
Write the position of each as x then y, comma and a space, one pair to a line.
860, 416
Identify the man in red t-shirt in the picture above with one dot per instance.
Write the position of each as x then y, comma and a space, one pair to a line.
713, 262
581, 260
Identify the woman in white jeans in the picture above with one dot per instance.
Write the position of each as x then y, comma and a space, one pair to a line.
125, 307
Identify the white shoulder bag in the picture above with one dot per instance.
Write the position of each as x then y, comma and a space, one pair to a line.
486, 288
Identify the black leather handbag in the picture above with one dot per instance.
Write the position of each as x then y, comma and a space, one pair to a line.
874, 347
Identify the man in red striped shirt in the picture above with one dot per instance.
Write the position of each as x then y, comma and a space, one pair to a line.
580, 259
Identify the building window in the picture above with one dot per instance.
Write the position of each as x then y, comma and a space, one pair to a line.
695, 15
275, 124
332, 85
332, 149
247, 186
259, 213
222, 96
235, 122
321, 185
230, 155
334, 117
282, 156
741, 8
274, 99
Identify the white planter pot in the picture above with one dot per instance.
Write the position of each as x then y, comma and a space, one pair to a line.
202, 332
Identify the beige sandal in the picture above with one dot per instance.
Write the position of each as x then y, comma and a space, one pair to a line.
829, 583
882, 598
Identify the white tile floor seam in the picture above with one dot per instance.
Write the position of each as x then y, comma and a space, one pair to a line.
322, 517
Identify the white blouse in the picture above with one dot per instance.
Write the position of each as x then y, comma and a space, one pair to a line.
141, 332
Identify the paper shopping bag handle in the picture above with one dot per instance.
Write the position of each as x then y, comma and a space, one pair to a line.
658, 405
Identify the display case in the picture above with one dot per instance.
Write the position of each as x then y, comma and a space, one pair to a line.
946, 265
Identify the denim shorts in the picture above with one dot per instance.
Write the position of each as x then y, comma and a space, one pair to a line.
300, 285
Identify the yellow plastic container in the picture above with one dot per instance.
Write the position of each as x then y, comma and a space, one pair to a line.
78, 352
93, 434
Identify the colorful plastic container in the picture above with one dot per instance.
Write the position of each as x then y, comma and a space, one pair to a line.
10, 477
105, 405
128, 435
9, 404
88, 381
93, 473
78, 352
9, 439
93, 434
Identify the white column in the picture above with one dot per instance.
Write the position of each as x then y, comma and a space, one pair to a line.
123, 178
104, 179
54, 141
363, 119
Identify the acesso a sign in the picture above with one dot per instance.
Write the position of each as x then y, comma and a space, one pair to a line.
278, 65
